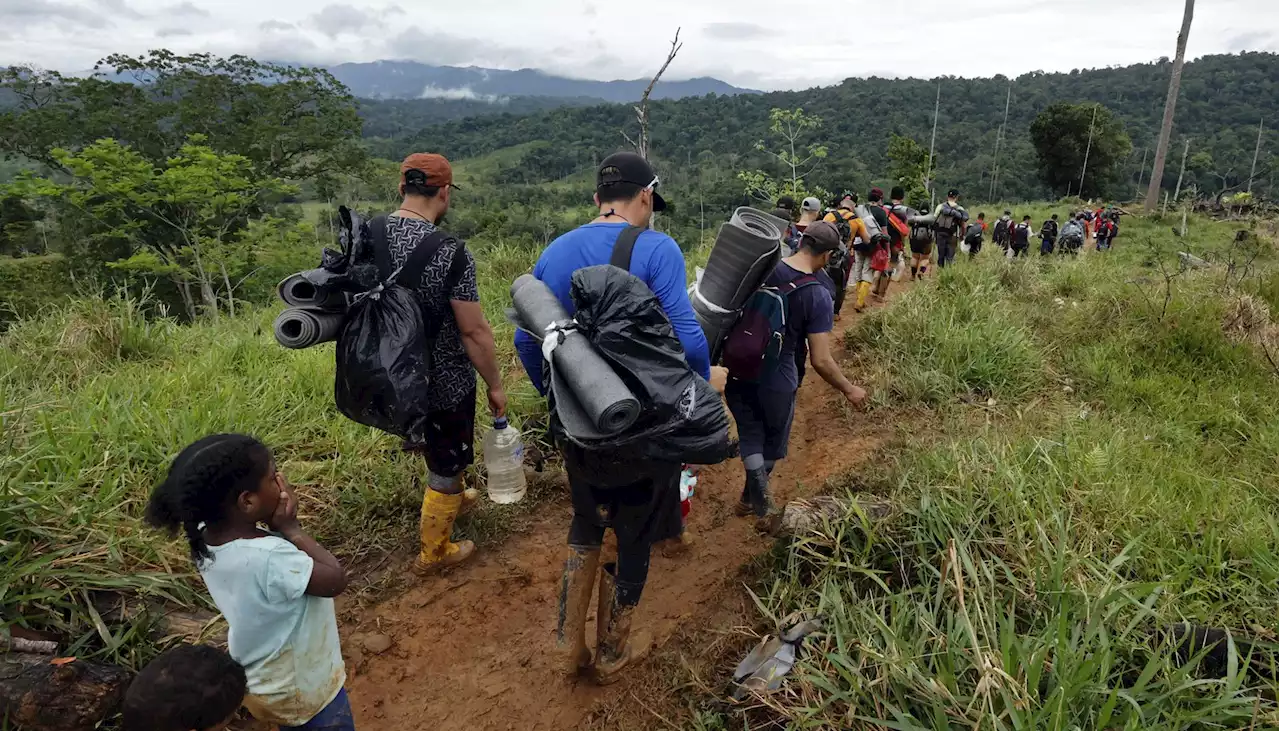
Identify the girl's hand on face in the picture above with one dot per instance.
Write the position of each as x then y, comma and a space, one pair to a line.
285, 518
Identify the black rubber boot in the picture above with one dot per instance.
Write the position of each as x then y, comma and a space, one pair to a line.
757, 491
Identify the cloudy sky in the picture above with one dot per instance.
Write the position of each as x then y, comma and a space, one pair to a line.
746, 42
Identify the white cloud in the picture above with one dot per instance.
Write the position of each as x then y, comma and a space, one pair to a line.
432, 91
741, 41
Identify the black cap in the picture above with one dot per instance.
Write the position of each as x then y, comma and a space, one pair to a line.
628, 167
787, 202
953, 193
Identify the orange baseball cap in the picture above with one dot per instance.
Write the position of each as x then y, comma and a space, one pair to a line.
434, 170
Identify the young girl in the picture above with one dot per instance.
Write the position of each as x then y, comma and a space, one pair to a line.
274, 587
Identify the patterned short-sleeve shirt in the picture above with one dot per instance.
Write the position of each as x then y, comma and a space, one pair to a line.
453, 378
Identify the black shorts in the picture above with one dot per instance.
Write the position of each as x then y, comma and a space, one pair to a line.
763, 417
642, 511
923, 248
451, 434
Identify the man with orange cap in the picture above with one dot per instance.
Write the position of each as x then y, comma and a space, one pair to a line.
462, 343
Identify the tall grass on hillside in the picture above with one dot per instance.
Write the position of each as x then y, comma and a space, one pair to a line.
1122, 481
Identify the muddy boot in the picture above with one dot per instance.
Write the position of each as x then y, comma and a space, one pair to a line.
436, 525
470, 497
755, 496
576, 583
615, 647
882, 286
678, 546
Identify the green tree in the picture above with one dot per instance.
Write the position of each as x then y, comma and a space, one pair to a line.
181, 220
1063, 134
796, 153
908, 166
289, 122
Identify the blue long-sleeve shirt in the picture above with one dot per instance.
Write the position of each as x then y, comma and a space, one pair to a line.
656, 260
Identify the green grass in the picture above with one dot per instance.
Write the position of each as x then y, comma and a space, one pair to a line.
1090, 467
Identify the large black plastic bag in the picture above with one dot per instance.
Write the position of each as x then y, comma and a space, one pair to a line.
381, 379
682, 417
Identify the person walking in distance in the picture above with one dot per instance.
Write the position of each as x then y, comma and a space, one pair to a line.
1000, 232
973, 234
899, 232
845, 265
1048, 235
763, 409
1021, 237
639, 502
948, 223
461, 346
921, 243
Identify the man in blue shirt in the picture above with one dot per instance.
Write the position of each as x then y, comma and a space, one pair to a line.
639, 501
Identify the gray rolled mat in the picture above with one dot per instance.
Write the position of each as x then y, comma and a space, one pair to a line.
591, 400
743, 256
758, 220
715, 326
303, 327
301, 290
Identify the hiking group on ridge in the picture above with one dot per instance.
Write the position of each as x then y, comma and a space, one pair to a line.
275, 585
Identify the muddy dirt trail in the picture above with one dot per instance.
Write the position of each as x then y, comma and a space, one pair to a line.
474, 650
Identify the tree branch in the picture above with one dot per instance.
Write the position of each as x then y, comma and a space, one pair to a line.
642, 111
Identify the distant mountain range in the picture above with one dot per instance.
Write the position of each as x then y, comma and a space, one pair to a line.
413, 80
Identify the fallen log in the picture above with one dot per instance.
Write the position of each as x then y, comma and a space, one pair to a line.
38, 695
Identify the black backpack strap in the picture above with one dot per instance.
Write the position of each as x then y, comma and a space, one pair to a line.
381, 249
422, 254
623, 246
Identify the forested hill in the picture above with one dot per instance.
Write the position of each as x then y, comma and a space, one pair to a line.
1223, 98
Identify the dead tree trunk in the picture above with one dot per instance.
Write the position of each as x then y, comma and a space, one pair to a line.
641, 143
1182, 169
37, 695
1170, 102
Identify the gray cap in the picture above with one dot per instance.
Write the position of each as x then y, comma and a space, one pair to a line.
811, 204
821, 236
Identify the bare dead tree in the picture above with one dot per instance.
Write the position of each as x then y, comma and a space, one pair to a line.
1170, 102
642, 109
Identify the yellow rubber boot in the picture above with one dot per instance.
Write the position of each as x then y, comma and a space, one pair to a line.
438, 513
616, 649
861, 302
576, 583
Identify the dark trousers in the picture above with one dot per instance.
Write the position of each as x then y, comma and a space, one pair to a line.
1046, 246
640, 513
840, 276
946, 242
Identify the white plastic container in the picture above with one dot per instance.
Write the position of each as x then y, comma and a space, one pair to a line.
504, 462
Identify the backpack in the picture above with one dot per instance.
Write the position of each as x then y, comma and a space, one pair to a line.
754, 343
974, 234
948, 216
1022, 234
841, 223
898, 228
383, 354
921, 233
1001, 231
1049, 229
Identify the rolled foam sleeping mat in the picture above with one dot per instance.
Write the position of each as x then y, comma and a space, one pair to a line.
746, 250
758, 220
715, 326
591, 400
306, 289
303, 327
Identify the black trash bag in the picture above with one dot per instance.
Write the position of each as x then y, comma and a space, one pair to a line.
382, 363
682, 418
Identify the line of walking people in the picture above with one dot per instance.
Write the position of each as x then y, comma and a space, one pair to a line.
274, 584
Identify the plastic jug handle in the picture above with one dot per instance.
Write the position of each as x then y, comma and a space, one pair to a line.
500, 423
